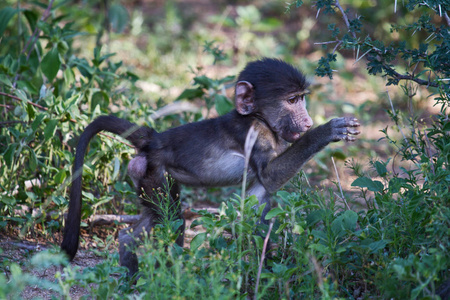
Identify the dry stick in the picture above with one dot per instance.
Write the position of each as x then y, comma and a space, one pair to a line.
337, 45
7, 106
32, 103
28, 101
339, 183
326, 43
344, 15
99, 220
447, 18
263, 255
359, 58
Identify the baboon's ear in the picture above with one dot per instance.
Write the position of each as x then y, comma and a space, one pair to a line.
244, 98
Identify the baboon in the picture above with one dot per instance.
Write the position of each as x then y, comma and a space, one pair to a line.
270, 96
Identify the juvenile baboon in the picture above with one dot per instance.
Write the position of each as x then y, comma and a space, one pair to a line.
270, 96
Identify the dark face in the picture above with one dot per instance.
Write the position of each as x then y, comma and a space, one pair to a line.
275, 91
292, 118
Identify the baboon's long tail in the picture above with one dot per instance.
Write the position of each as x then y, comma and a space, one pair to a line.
137, 135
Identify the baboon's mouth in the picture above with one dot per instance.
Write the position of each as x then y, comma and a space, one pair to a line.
291, 136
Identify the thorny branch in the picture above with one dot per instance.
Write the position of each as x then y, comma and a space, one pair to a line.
391, 71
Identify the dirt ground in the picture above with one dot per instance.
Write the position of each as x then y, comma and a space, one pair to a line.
21, 252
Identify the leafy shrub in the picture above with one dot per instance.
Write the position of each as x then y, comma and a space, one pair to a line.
396, 247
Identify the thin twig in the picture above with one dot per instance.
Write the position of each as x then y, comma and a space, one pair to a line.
7, 106
28, 101
339, 183
337, 45
393, 112
344, 15
10, 96
365, 53
447, 18
326, 43
411, 77
263, 256
8, 123
399, 76
114, 138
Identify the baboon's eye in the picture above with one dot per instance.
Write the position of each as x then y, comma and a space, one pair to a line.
293, 99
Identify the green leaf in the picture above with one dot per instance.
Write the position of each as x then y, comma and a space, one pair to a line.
32, 18
22, 95
298, 229
274, 212
37, 121
226, 79
197, 241
118, 17
116, 168
280, 229
8, 156
338, 154
337, 227
446, 126
320, 248
50, 129
259, 242
223, 105
315, 216
381, 168
11, 201
5, 80
371, 185
33, 160
349, 219
47, 258
378, 245
260, 209
59, 200
395, 184
60, 176
5, 16
344, 222
191, 94
50, 64
69, 76
31, 111
204, 81
284, 195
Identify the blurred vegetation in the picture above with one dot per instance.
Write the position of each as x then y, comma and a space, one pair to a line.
380, 231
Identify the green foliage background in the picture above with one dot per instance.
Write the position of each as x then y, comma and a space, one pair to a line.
388, 237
